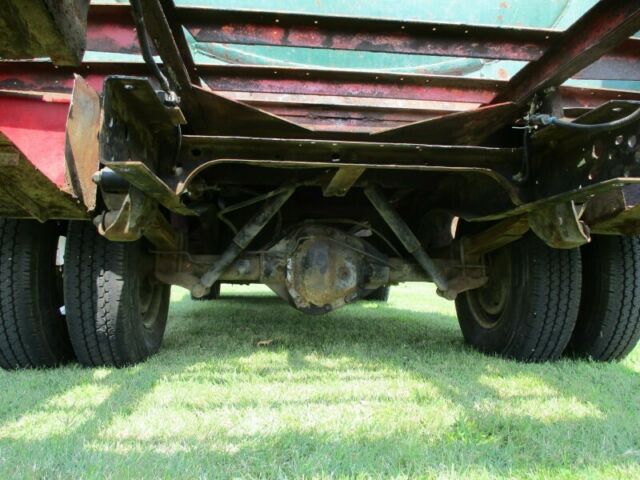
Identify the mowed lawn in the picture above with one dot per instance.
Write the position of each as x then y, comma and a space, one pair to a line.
247, 387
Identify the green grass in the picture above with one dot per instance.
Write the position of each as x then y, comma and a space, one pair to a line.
368, 391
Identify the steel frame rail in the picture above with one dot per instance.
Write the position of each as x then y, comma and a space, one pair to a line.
111, 30
597, 46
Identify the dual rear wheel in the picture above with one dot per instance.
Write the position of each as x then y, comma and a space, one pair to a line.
112, 313
116, 309
538, 303
33, 331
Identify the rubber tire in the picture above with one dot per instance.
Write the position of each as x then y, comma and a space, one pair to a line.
608, 326
101, 285
214, 294
541, 306
33, 332
380, 295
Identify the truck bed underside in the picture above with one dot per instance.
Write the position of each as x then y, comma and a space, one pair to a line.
227, 162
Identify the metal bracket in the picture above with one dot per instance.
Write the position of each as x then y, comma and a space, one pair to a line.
137, 126
559, 225
82, 157
616, 212
138, 216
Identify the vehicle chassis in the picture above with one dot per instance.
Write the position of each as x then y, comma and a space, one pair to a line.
339, 182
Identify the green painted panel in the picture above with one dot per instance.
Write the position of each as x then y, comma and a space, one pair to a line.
495, 12
553, 14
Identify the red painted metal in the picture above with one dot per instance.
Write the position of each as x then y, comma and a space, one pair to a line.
37, 129
348, 83
364, 34
32, 76
111, 30
289, 89
44, 77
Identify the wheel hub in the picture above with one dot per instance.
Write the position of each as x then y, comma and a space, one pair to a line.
490, 300
149, 291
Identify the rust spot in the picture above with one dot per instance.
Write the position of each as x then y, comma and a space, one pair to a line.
504, 4
503, 74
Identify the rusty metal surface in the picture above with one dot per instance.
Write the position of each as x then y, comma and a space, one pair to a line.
43, 77
201, 153
110, 30
289, 89
579, 195
622, 63
26, 192
464, 128
208, 112
140, 136
140, 176
577, 167
170, 13
224, 116
136, 125
364, 34
184, 269
327, 269
348, 114
315, 268
244, 78
137, 217
254, 267
604, 27
607, 112
493, 238
586, 158
169, 48
44, 28
559, 225
82, 156
615, 213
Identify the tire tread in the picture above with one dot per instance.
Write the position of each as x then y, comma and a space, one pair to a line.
541, 313
608, 327
555, 302
24, 308
99, 312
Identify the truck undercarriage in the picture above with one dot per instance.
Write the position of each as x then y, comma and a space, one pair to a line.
518, 198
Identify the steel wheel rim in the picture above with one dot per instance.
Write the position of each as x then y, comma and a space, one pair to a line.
149, 292
488, 302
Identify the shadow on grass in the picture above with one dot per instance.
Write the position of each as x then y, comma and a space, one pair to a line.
498, 426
